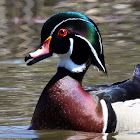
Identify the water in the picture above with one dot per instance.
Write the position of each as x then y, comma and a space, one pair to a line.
20, 85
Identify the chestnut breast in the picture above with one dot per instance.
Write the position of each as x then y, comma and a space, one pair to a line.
75, 106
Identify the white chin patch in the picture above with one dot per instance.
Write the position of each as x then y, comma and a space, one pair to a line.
66, 62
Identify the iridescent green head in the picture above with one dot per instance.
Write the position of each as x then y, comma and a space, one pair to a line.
75, 38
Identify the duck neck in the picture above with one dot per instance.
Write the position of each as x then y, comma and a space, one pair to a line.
62, 72
75, 108
77, 76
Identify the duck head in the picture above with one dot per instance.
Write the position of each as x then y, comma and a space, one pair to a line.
75, 38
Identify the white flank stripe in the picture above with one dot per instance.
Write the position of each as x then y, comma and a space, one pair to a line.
105, 114
93, 51
105, 136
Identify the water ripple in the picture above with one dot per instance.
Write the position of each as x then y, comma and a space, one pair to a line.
6, 88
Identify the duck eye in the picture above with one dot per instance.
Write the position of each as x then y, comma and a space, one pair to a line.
62, 32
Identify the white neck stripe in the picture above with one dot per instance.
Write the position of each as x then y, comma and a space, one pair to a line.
93, 51
105, 114
66, 62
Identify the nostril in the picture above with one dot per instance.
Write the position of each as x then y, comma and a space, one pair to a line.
41, 48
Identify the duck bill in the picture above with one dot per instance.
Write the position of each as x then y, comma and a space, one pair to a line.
42, 52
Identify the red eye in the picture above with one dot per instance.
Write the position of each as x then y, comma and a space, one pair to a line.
62, 32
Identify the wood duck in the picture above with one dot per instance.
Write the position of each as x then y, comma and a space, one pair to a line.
64, 102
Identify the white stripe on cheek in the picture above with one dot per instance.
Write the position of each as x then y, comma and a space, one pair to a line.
66, 62
71, 45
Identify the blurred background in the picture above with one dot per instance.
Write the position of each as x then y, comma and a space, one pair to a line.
20, 25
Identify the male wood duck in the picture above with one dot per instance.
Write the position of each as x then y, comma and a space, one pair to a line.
64, 102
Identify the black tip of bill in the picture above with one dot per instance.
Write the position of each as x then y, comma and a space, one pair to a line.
35, 60
27, 57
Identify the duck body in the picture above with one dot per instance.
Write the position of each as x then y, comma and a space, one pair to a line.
64, 102
120, 91
63, 108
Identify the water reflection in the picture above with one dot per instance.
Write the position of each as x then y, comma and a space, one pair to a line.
20, 86
20, 133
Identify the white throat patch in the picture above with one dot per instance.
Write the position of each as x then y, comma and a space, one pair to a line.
66, 62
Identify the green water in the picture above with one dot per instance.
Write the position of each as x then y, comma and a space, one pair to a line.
21, 86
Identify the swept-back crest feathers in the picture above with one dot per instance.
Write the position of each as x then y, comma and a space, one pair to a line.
82, 27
